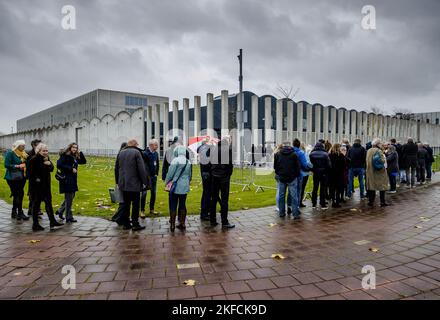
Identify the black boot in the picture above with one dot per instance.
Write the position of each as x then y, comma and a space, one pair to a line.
22, 216
182, 219
14, 213
37, 227
172, 221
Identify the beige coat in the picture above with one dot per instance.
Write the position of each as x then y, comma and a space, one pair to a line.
377, 180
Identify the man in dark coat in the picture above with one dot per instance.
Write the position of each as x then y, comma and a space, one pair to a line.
287, 173
31, 154
429, 163
221, 172
357, 155
321, 168
131, 177
422, 159
151, 158
402, 167
409, 152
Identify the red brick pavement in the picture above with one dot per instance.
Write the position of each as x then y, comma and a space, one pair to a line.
321, 261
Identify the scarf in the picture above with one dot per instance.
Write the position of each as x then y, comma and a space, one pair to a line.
23, 156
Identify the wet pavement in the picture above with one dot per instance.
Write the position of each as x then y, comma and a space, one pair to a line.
324, 254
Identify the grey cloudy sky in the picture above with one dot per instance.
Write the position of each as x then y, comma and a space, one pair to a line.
185, 48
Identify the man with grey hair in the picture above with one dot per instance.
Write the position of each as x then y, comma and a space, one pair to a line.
151, 158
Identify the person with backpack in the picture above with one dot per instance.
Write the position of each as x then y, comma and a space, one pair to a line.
287, 174
177, 183
376, 173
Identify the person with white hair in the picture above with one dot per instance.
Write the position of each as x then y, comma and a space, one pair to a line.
376, 173
151, 158
15, 176
39, 172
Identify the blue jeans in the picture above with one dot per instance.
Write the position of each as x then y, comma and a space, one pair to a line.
152, 197
298, 194
356, 172
292, 202
428, 170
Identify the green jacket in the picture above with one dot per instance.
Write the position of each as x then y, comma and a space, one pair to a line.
11, 160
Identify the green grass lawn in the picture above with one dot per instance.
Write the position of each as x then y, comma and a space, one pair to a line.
97, 177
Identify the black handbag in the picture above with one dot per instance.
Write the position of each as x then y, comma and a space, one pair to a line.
60, 176
17, 175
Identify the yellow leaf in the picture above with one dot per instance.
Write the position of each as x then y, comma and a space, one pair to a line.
354, 210
17, 274
112, 209
272, 225
278, 256
424, 219
34, 241
373, 249
418, 227
189, 282
245, 208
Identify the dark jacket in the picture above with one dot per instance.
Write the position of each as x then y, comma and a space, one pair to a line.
204, 152
430, 154
409, 152
131, 174
286, 165
357, 155
392, 162
66, 163
320, 160
422, 157
39, 177
151, 161
337, 175
399, 150
221, 160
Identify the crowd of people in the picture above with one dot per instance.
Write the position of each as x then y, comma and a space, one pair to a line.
378, 166
36, 167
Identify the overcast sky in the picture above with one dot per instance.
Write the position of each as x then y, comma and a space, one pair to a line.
183, 48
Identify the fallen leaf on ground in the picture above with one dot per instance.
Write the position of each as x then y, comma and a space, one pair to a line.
272, 225
424, 219
113, 209
278, 256
354, 210
189, 282
374, 249
418, 227
34, 241
17, 274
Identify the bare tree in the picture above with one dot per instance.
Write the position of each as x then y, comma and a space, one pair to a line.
377, 110
403, 113
286, 92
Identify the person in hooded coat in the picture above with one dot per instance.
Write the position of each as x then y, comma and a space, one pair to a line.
321, 169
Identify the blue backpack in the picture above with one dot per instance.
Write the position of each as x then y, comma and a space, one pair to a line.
377, 162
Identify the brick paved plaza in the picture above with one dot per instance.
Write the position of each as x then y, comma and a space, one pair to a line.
322, 258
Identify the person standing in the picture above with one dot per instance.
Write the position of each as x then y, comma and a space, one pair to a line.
39, 171
204, 152
356, 155
336, 175
305, 178
287, 172
151, 157
31, 153
321, 168
68, 164
392, 167
305, 166
376, 173
15, 176
221, 172
132, 177
121, 207
409, 151
179, 175
422, 159
429, 163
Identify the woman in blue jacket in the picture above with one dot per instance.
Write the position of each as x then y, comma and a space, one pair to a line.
15, 164
180, 173
68, 163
